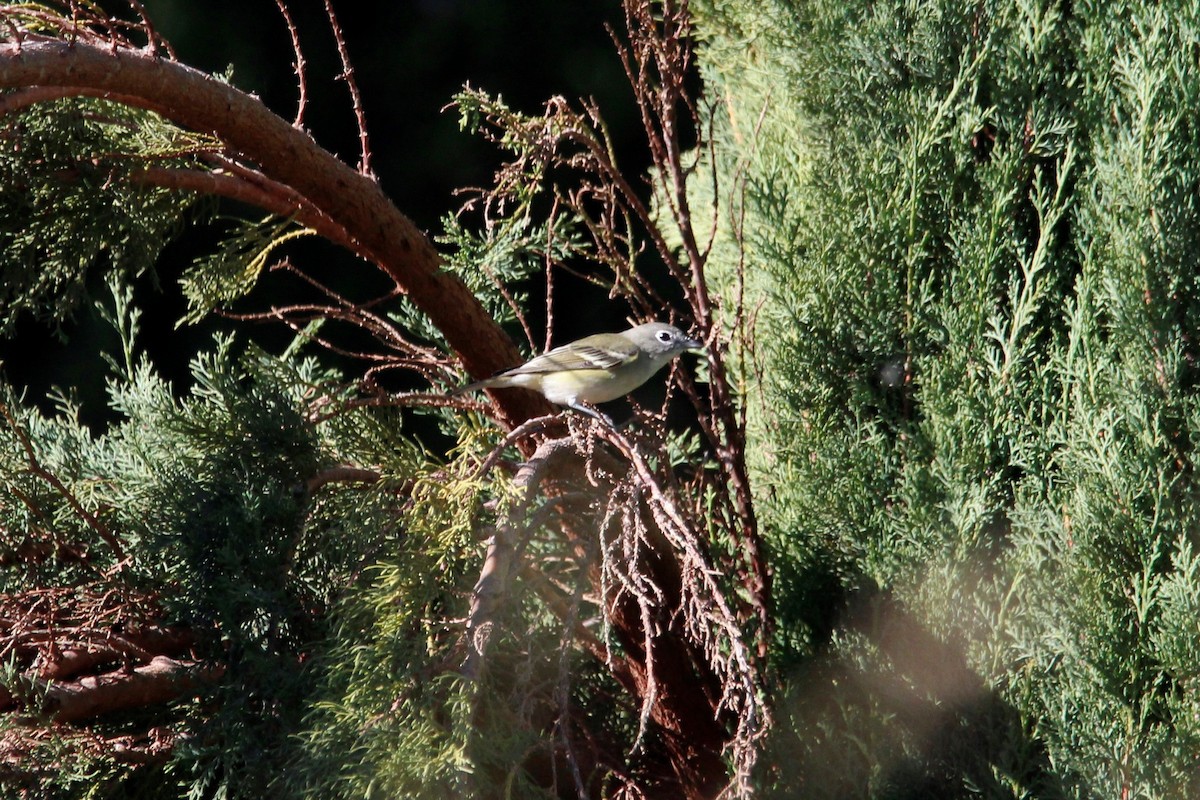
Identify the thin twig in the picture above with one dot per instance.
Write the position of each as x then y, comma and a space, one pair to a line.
153, 40
406, 400
299, 65
364, 164
527, 428
549, 264
358, 313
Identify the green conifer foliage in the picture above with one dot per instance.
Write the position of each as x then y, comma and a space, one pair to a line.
65, 207
223, 540
974, 228
263, 583
954, 251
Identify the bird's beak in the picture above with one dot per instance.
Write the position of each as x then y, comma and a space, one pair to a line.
694, 346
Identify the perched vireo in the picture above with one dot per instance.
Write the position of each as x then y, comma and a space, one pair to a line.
595, 369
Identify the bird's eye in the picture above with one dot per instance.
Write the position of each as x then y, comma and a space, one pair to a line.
664, 336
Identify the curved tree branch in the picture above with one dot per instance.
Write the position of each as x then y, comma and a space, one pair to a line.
289, 156
283, 203
161, 680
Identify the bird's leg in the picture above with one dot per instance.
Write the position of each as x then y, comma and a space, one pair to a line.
591, 412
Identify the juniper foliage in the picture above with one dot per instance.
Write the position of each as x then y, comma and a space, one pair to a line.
65, 207
973, 228
962, 240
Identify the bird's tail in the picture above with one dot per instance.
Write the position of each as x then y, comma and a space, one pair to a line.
474, 387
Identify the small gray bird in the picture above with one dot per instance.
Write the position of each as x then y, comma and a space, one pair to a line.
595, 369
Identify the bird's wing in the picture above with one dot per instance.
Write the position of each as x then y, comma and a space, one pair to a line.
580, 355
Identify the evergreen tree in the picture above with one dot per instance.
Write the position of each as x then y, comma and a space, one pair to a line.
973, 229
942, 254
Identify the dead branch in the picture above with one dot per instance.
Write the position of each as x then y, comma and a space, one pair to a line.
299, 65
160, 681
672, 635
66, 654
552, 458
364, 164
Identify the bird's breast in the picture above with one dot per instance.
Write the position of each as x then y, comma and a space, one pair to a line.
597, 386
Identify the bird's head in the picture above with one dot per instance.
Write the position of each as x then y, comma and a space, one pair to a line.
661, 341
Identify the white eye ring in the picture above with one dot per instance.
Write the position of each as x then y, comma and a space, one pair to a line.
664, 336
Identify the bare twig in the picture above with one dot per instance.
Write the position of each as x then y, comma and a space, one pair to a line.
360, 314
153, 40
404, 400
667, 56
364, 164
554, 212
299, 65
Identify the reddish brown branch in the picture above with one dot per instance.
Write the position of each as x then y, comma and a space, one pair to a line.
69, 655
290, 157
24, 98
278, 199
